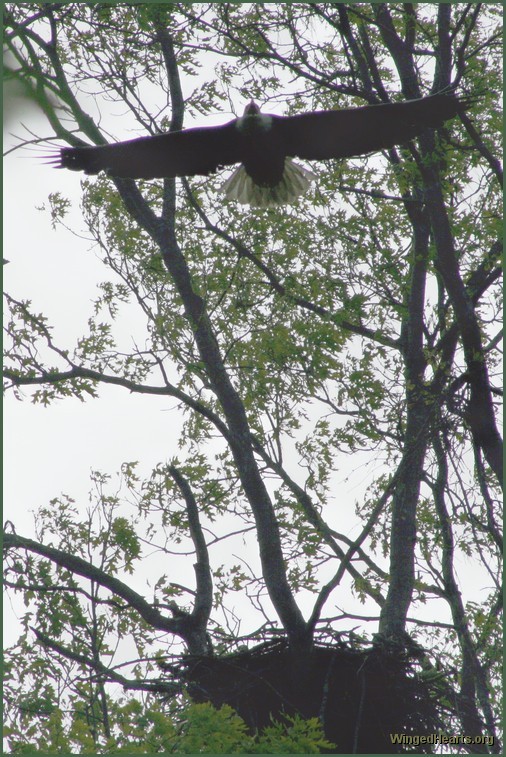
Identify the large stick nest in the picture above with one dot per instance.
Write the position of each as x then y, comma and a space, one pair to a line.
361, 696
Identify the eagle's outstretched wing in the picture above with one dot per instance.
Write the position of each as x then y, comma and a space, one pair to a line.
180, 153
322, 135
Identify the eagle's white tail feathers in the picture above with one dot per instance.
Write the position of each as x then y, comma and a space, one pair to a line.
240, 187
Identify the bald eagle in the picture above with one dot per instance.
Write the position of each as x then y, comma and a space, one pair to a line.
265, 146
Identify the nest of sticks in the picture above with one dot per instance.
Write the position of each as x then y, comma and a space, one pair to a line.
361, 695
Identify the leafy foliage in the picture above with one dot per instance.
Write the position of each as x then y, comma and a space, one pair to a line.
196, 729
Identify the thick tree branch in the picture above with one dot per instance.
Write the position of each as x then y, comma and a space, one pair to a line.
470, 661
480, 411
410, 471
273, 566
494, 163
179, 626
399, 50
204, 594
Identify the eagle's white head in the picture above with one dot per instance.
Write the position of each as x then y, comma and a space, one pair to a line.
252, 120
251, 109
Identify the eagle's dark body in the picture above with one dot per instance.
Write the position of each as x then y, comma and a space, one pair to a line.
265, 145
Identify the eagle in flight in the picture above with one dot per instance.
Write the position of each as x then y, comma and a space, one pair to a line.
265, 145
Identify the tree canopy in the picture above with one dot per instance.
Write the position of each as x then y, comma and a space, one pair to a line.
335, 364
